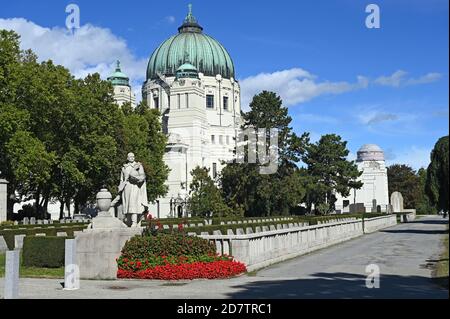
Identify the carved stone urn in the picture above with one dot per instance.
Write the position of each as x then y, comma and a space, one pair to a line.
104, 199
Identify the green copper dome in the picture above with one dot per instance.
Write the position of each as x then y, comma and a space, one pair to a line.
191, 46
119, 78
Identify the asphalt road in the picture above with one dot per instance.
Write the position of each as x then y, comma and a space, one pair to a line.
403, 254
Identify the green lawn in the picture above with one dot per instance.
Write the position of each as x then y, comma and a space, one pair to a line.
441, 270
32, 272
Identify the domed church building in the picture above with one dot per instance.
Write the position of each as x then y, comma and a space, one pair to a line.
191, 81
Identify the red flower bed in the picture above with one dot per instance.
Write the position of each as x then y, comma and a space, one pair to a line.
197, 270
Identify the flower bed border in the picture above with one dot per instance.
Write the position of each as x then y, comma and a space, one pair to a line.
220, 269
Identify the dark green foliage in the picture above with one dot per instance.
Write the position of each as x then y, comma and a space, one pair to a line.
329, 171
437, 184
423, 203
205, 198
175, 244
243, 186
45, 252
403, 179
63, 138
8, 235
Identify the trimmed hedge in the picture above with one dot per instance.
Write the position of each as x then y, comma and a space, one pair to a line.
175, 244
43, 252
8, 235
13, 227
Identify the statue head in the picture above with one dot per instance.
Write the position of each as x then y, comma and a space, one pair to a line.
131, 157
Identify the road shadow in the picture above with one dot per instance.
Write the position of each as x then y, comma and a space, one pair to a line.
342, 286
416, 231
441, 221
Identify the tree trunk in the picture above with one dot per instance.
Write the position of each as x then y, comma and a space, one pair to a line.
61, 208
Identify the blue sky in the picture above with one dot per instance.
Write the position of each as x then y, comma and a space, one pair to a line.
387, 86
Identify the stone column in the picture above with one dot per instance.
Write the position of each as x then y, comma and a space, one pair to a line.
12, 274
71, 270
3, 199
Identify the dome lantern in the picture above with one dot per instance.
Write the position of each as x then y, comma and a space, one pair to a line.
370, 152
119, 78
190, 23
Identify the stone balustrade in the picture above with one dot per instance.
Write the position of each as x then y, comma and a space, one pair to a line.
260, 249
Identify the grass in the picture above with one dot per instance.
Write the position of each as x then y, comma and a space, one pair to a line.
33, 272
440, 272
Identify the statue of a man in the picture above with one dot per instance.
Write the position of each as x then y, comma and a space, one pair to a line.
133, 189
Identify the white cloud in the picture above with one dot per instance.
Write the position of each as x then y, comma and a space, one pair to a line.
294, 86
170, 19
415, 157
90, 49
400, 78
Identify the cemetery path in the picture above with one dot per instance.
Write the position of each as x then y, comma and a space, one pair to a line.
403, 253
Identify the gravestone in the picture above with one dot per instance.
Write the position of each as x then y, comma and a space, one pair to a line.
230, 232
3, 246
357, 208
62, 221
3, 199
265, 228
40, 235
18, 241
272, 227
26, 221
379, 209
16, 222
71, 268
257, 229
374, 206
45, 221
217, 233
33, 221
77, 232
279, 226
249, 230
12, 274
39, 221
240, 231
222, 223
397, 202
61, 234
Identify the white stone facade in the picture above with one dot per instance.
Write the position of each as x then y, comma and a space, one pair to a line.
199, 134
123, 94
374, 176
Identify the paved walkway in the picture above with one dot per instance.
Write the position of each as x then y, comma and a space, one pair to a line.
404, 254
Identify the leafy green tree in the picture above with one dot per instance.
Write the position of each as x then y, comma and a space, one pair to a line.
437, 184
423, 203
144, 137
329, 171
205, 198
403, 179
243, 186
74, 126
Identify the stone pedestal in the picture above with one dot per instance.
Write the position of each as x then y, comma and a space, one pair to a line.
98, 249
3, 200
12, 274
